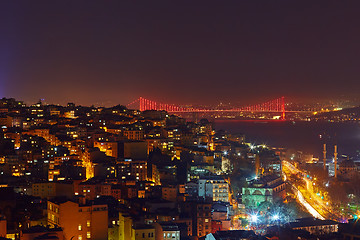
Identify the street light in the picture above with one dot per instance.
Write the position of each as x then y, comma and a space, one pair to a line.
276, 217
254, 218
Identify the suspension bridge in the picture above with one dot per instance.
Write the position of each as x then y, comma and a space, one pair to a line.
273, 106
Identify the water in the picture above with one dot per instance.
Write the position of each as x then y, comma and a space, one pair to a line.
308, 137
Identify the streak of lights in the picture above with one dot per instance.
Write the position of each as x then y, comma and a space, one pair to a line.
308, 207
300, 196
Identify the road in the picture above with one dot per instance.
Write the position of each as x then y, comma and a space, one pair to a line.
305, 204
306, 194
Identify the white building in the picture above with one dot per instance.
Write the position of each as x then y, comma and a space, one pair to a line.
213, 187
167, 231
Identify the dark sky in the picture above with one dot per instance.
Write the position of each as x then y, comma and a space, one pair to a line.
110, 52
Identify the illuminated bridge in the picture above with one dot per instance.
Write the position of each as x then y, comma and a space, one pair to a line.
275, 106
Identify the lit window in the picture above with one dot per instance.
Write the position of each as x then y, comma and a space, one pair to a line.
88, 235
80, 237
79, 227
88, 223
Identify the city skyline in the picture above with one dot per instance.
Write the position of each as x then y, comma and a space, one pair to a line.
179, 120
112, 53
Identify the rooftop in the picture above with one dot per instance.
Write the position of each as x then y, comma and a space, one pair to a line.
309, 222
233, 235
41, 229
143, 226
169, 226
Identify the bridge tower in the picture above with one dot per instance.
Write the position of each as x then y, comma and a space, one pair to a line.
283, 108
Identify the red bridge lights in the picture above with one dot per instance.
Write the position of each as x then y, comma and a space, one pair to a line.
276, 105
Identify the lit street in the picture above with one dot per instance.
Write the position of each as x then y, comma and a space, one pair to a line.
312, 201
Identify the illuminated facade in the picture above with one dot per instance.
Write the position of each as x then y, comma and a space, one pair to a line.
348, 169
200, 213
263, 191
214, 188
169, 193
87, 164
134, 134
125, 226
52, 189
91, 190
167, 231
143, 232
3, 230
45, 133
315, 226
79, 221
109, 148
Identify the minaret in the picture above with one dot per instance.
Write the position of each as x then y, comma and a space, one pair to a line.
335, 160
324, 159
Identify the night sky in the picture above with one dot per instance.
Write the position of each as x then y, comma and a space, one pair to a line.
111, 52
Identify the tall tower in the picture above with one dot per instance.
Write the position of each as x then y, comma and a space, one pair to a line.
324, 159
257, 165
335, 160
141, 101
283, 108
